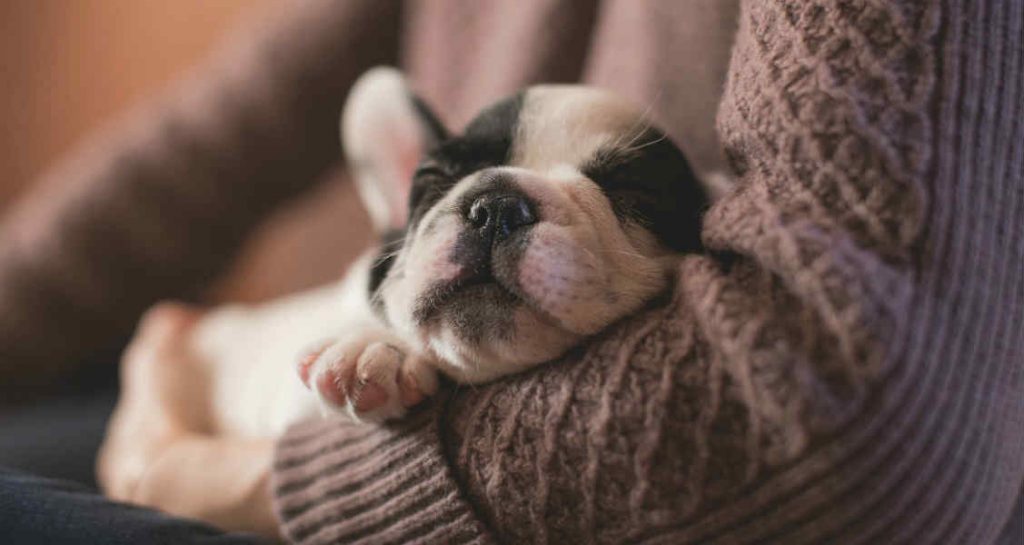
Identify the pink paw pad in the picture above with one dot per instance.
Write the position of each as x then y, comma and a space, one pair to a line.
330, 387
369, 396
368, 378
305, 366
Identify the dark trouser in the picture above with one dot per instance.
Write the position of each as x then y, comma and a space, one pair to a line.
47, 479
57, 437
58, 432
47, 511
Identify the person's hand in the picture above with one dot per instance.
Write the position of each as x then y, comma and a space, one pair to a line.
159, 451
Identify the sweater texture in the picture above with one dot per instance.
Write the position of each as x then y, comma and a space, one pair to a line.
845, 366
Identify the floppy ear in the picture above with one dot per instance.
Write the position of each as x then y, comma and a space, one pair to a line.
386, 130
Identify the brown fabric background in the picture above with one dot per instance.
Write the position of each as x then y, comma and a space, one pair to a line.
71, 68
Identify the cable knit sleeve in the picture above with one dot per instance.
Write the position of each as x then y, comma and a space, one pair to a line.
159, 204
843, 366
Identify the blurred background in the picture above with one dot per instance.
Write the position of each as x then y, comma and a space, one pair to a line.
69, 67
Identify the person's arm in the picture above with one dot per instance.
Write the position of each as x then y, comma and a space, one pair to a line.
159, 205
844, 365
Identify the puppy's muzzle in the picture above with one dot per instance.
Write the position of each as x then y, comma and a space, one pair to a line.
496, 219
494, 230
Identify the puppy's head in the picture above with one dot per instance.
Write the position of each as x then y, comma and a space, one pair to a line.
554, 213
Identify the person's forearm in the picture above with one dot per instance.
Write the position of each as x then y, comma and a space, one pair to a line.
218, 480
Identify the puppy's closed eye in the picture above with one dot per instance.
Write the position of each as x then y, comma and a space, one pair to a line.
650, 183
429, 184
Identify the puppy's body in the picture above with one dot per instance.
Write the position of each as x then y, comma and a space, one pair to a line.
555, 213
249, 353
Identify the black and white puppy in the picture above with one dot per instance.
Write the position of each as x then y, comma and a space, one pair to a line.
555, 213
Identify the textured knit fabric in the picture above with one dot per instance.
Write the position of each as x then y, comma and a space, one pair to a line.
843, 366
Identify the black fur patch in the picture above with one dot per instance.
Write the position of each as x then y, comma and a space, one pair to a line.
651, 183
389, 245
487, 142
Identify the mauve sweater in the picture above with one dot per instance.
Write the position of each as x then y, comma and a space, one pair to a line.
843, 365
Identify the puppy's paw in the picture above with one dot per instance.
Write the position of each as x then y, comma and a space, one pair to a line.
370, 377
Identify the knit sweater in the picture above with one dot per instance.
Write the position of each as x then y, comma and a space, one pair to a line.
843, 365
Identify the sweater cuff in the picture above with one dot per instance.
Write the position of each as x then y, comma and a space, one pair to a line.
336, 481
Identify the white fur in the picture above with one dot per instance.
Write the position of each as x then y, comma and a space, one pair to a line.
250, 353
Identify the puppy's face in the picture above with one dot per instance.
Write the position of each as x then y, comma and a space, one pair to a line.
555, 213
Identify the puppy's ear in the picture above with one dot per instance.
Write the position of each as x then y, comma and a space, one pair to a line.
386, 130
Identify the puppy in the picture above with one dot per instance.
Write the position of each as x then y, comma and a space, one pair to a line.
555, 212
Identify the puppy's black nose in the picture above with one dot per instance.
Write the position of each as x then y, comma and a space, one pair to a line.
500, 214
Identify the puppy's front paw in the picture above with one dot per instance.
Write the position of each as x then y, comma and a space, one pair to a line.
371, 376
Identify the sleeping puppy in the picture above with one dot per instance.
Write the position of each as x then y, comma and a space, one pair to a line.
553, 214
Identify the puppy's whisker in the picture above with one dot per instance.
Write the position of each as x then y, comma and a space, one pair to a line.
632, 147
639, 147
388, 255
637, 130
